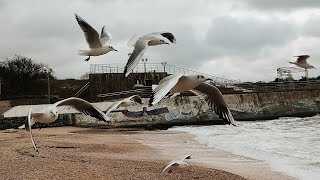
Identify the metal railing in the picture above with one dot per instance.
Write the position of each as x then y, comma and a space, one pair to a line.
280, 86
83, 88
159, 67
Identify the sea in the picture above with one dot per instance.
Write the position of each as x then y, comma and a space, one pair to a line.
288, 145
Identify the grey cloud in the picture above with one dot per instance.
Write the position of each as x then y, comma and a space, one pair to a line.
48, 32
244, 37
311, 27
282, 4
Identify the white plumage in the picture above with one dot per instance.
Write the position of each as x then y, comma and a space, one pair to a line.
96, 43
177, 83
141, 45
177, 163
50, 113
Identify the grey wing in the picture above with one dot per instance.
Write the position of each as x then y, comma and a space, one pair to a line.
215, 100
302, 58
104, 36
92, 36
113, 106
85, 107
167, 167
139, 49
163, 88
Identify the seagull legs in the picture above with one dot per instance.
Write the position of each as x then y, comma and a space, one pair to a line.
87, 59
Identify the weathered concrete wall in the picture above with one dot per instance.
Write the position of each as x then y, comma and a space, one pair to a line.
274, 104
192, 110
185, 110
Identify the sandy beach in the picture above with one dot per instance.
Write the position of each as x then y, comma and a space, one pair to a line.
86, 153
78, 153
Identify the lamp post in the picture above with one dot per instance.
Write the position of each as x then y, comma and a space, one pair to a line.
164, 66
145, 61
48, 82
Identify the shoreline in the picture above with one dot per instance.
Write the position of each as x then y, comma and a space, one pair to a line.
174, 143
88, 153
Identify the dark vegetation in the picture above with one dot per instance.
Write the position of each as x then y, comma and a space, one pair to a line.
22, 78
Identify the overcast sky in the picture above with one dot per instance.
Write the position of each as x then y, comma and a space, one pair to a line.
238, 39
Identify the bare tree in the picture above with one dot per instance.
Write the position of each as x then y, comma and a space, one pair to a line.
18, 72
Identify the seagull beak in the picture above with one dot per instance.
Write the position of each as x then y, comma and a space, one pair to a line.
209, 79
115, 50
167, 43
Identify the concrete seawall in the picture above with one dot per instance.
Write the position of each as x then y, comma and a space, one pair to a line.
255, 106
192, 110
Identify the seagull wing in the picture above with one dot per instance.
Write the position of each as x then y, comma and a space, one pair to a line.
113, 106
302, 58
215, 100
132, 40
104, 36
85, 107
165, 85
92, 36
165, 34
139, 49
168, 166
187, 157
28, 124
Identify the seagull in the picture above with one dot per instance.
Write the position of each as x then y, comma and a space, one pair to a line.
125, 103
175, 164
95, 43
50, 113
141, 45
302, 62
177, 83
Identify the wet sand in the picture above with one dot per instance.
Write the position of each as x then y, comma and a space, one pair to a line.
172, 144
85, 153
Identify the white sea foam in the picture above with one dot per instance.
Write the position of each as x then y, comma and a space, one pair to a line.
289, 145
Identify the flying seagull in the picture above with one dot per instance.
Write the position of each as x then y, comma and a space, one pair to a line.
125, 103
141, 45
50, 113
177, 83
302, 62
175, 164
96, 43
